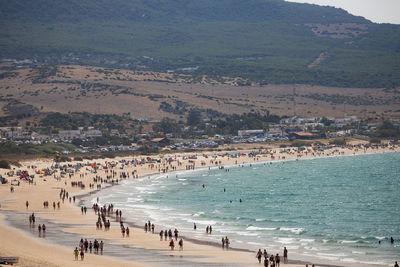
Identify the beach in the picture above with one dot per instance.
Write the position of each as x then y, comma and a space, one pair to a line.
68, 224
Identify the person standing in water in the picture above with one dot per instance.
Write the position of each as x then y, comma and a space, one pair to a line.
226, 242
285, 255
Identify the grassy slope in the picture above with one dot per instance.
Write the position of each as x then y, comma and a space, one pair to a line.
265, 40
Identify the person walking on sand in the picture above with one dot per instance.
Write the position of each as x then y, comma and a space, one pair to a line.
123, 231
82, 255
101, 247
223, 242
76, 253
266, 262
277, 260
259, 255
127, 231
180, 244
272, 260
161, 234
171, 244
176, 234
27, 204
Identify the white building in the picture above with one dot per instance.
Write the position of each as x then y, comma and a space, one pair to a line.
69, 134
243, 133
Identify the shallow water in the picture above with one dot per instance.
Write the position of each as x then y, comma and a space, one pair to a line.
328, 209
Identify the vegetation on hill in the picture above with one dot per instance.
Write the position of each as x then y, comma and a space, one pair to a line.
73, 120
387, 130
31, 149
266, 41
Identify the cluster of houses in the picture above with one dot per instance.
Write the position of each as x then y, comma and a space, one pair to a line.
288, 129
19, 134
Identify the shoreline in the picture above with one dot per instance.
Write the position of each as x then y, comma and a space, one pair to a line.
149, 173
214, 243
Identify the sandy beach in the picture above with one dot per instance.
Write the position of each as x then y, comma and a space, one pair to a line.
67, 224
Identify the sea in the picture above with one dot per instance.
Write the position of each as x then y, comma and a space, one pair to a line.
339, 210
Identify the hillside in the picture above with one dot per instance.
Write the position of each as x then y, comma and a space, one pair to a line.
26, 95
266, 41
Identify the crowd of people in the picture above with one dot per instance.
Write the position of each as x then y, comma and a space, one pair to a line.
272, 260
105, 212
86, 246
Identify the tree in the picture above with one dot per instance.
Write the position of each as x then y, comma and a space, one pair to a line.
326, 121
193, 117
167, 125
77, 141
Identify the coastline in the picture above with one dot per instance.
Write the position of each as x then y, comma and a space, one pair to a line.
186, 236
198, 251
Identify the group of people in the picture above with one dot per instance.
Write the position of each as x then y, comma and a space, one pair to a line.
123, 229
271, 261
32, 219
168, 234
149, 227
172, 244
41, 227
102, 213
85, 246
225, 242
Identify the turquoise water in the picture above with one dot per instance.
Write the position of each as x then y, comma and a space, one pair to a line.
327, 209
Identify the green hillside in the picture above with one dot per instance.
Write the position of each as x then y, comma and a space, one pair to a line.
267, 41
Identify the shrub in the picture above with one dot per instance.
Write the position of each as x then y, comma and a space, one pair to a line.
64, 159
338, 141
4, 164
375, 140
300, 144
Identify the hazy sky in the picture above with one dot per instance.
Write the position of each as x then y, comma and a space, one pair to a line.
380, 11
